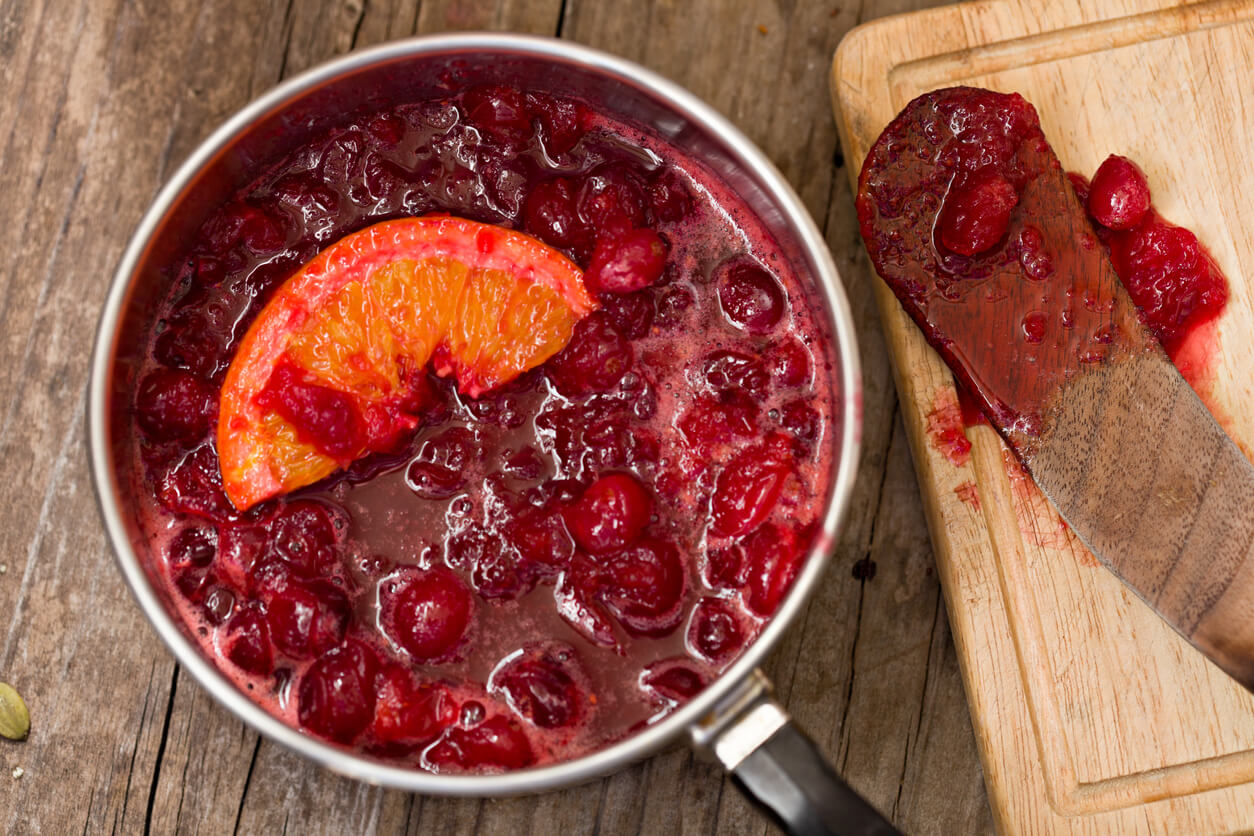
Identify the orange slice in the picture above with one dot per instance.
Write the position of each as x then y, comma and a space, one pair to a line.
326, 372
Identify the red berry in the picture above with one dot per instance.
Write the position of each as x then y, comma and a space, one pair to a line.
712, 422
540, 688
189, 342
543, 544
610, 514
715, 632
730, 370
442, 465
673, 680
240, 549
425, 611
746, 490
668, 197
976, 212
626, 263
725, 567
306, 536
193, 485
337, 696
409, 713
774, 557
498, 743
500, 112
790, 362
192, 548
1119, 196
549, 214
175, 405
306, 617
751, 298
247, 642
611, 199
631, 313
576, 599
800, 419
595, 359
643, 585
561, 122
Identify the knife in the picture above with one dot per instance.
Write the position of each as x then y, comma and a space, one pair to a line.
968, 216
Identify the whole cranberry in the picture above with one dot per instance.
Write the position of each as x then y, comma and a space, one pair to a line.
543, 544
611, 513
193, 486
976, 212
425, 611
644, 585
725, 567
442, 465
611, 199
789, 361
773, 554
193, 547
714, 632
631, 313
714, 421
306, 617
175, 405
549, 213
539, 687
576, 599
241, 547
247, 642
751, 298
626, 263
725, 370
336, 699
595, 359
800, 419
746, 490
1119, 196
497, 743
668, 196
561, 122
673, 680
407, 712
500, 112
306, 536
189, 342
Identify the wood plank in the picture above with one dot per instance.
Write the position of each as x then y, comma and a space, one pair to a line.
1096, 722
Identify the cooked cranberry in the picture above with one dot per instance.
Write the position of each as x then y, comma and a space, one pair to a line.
575, 597
626, 263
774, 556
305, 535
308, 194
752, 298
323, 417
544, 547
723, 370
175, 405
1119, 196
800, 419
337, 697
976, 212
673, 305
610, 514
725, 567
425, 611
496, 574
497, 743
674, 680
193, 547
407, 712
540, 689
643, 585
595, 359
561, 122
188, 342
240, 547
611, 199
218, 604
247, 642
388, 128
252, 226
442, 465
711, 422
746, 490
500, 112
550, 214
631, 313
789, 360
668, 197
194, 486
306, 617
714, 631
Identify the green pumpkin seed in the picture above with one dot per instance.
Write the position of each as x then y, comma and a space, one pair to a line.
14, 718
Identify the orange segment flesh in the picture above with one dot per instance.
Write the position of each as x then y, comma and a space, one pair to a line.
378, 304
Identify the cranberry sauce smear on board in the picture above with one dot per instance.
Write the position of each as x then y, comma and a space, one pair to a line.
544, 568
968, 215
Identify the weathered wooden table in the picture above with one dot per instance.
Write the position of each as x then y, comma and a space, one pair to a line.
102, 99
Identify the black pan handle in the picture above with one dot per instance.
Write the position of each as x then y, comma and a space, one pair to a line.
780, 769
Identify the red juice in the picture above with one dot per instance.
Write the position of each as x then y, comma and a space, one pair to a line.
696, 407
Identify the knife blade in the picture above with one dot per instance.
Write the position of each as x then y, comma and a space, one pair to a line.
968, 215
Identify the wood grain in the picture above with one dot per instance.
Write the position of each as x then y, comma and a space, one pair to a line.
1091, 714
104, 98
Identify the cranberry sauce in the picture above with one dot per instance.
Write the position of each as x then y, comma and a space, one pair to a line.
544, 568
969, 217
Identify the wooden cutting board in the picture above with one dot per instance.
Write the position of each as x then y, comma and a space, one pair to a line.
1091, 715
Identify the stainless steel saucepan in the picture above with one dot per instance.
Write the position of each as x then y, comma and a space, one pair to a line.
734, 720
